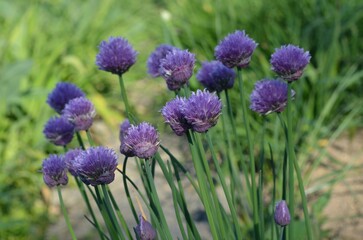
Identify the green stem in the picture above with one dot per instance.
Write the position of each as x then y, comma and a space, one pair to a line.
252, 160
291, 156
231, 119
89, 137
125, 100
65, 214
124, 177
80, 141
304, 200
225, 188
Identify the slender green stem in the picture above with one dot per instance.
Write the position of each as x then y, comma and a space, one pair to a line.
89, 138
85, 198
231, 119
204, 193
118, 213
261, 175
225, 188
124, 177
252, 160
304, 200
80, 141
291, 156
125, 100
65, 214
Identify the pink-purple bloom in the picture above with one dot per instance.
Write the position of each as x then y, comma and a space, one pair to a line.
115, 56
62, 94
215, 76
96, 165
282, 214
235, 50
59, 131
54, 171
202, 110
144, 230
70, 159
124, 129
174, 116
177, 68
289, 62
81, 112
142, 140
269, 96
154, 61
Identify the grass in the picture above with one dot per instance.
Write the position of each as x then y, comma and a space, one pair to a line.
43, 42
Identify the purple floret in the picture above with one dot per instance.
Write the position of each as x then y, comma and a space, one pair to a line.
70, 158
289, 62
177, 68
269, 96
62, 94
282, 214
59, 131
115, 56
124, 130
154, 61
202, 110
142, 140
96, 165
235, 50
54, 171
173, 115
144, 230
81, 112
215, 76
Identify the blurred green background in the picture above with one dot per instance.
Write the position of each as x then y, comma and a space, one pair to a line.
43, 42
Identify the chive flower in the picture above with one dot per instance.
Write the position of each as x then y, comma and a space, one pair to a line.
124, 129
96, 165
269, 96
142, 140
215, 76
235, 50
70, 158
62, 94
154, 61
282, 214
202, 110
81, 112
144, 230
54, 171
115, 56
59, 131
174, 116
177, 68
289, 62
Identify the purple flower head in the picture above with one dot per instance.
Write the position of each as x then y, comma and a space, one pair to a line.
145, 230
62, 94
96, 165
124, 129
202, 110
269, 96
282, 214
70, 158
54, 171
235, 50
173, 115
289, 62
142, 140
81, 112
154, 61
115, 56
215, 76
177, 68
59, 131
